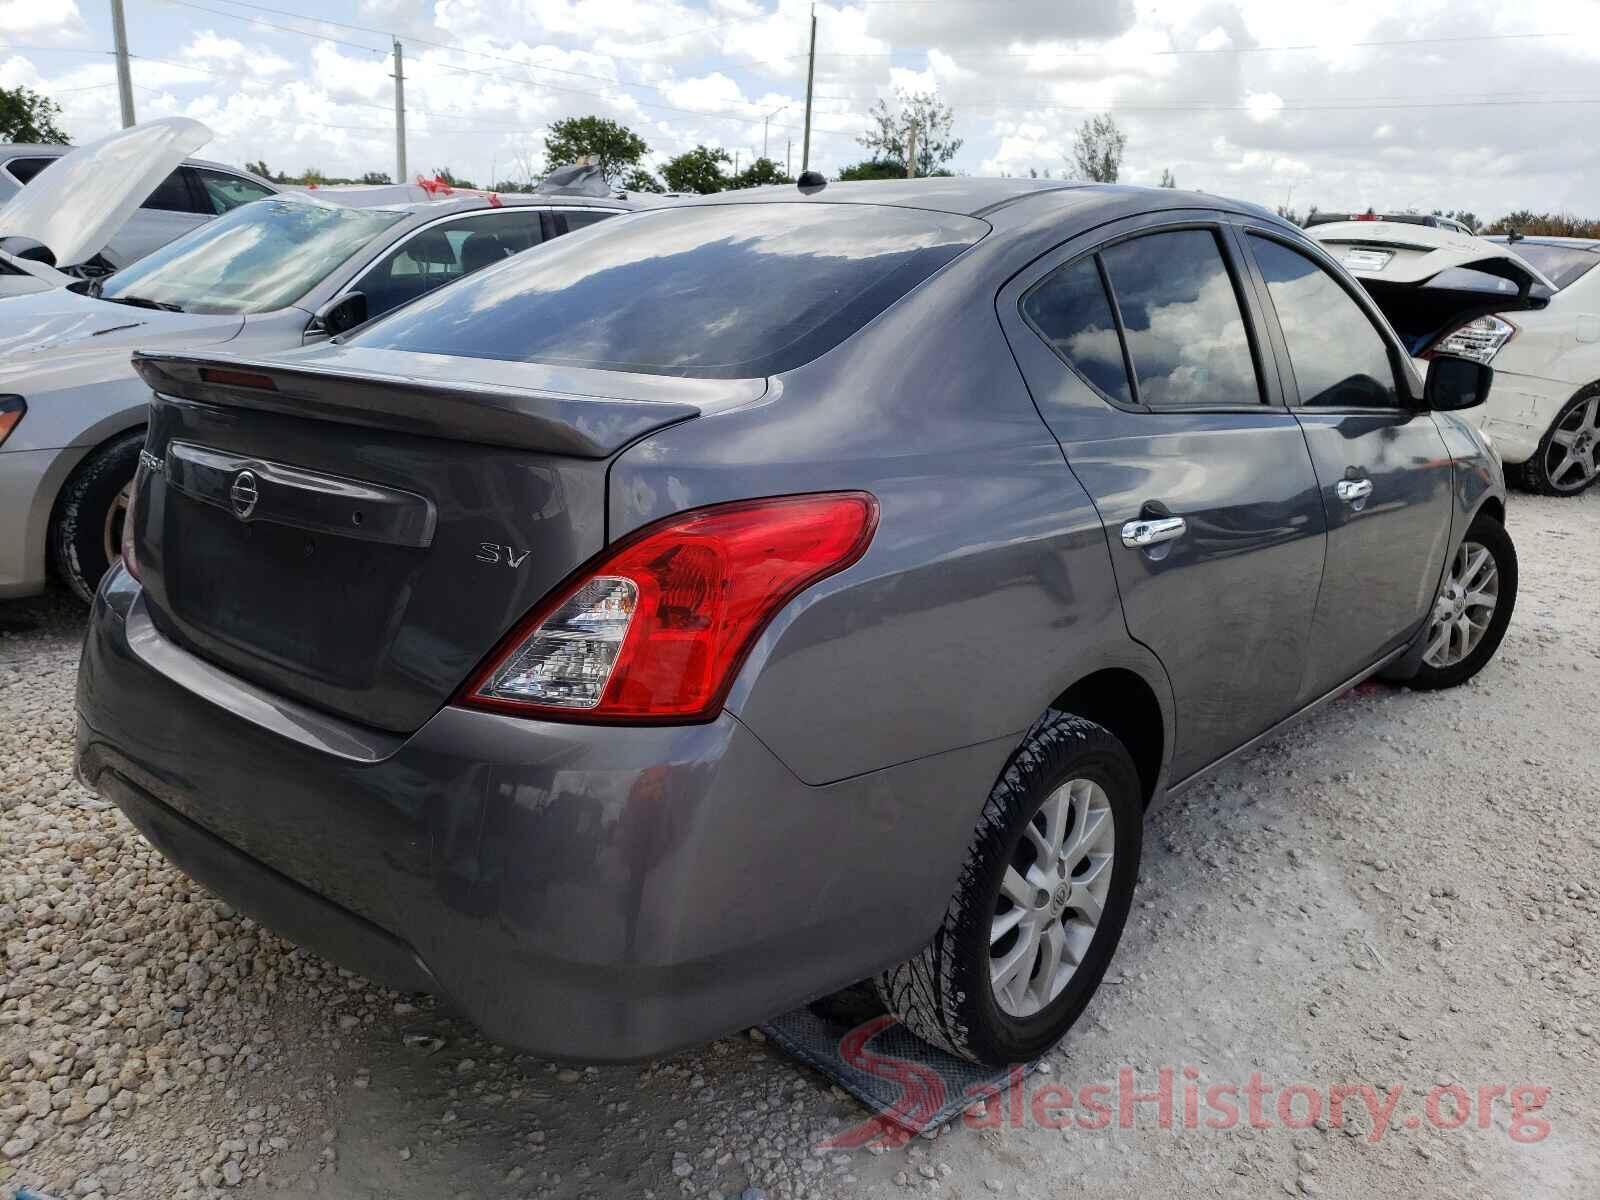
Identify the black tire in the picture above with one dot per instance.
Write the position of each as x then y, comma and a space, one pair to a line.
1485, 531
944, 994
1542, 476
86, 514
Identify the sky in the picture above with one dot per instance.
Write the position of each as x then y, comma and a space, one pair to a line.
1463, 105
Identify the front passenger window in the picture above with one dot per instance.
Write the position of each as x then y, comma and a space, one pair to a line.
1340, 359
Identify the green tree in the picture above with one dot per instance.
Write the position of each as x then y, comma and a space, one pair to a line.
760, 173
640, 180
1097, 149
868, 168
698, 170
26, 116
933, 121
1168, 179
445, 175
376, 177
260, 168
612, 147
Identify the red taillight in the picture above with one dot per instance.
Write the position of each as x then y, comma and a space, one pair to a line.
245, 379
1369, 215
130, 555
655, 628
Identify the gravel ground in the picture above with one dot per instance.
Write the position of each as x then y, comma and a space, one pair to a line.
1403, 892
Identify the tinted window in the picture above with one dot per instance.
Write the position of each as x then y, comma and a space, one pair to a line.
1339, 358
24, 169
715, 291
1070, 310
1181, 317
171, 195
436, 256
224, 191
1561, 265
577, 218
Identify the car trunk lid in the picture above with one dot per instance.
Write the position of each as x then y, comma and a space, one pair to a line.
1428, 281
355, 529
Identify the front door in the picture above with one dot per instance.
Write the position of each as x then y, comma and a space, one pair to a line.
1385, 473
1140, 353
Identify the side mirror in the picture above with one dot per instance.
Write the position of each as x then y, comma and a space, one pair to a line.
339, 315
1456, 383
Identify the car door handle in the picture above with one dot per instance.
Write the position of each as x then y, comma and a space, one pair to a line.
1150, 531
1353, 491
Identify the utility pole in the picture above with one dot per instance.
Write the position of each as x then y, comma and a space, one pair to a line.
764, 121
788, 156
911, 151
811, 75
399, 113
736, 162
119, 34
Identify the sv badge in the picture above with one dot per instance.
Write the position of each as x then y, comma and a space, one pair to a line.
489, 552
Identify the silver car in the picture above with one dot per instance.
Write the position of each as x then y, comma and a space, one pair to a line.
191, 194
269, 275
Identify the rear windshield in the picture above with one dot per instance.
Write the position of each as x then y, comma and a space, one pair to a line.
710, 291
1561, 265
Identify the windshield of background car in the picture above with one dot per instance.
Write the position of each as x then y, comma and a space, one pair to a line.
1561, 265
708, 291
257, 258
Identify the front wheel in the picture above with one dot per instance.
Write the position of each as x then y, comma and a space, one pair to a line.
86, 536
1568, 458
1040, 904
1473, 609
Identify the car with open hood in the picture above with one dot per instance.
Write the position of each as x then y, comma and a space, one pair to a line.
1531, 308
77, 212
774, 590
268, 275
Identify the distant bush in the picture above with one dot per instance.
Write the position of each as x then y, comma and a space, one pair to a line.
1545, 224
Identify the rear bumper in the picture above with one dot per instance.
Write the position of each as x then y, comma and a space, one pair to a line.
584, 892
1519, 411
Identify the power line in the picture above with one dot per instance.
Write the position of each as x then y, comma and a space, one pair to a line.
1366, 45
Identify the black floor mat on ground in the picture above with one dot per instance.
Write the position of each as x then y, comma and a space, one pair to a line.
909, 1086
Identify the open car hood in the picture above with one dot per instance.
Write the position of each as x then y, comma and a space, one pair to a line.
1428, 281
75, 205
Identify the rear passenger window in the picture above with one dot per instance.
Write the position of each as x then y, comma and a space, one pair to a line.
1069, 309
1181, 317
171, 195
24, 169
1340, 360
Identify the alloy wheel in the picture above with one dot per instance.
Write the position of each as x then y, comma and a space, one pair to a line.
1051, 897
115, 515
1570, 458
1465, 606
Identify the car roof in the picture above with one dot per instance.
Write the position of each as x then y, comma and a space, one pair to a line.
973, 197
9, 150
1540, 239
443, 206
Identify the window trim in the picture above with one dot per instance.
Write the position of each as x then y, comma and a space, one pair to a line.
1405, 398
1250, 314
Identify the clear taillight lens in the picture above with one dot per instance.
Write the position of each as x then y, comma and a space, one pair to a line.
657, 626
1480, 339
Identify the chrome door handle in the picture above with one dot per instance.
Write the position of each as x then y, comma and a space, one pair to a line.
1148, 532
1353, 491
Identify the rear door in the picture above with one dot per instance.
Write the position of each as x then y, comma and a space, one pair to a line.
1385, 474
445, 251
172, 210
1138, 343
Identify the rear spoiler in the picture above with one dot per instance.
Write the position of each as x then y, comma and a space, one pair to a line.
495, 414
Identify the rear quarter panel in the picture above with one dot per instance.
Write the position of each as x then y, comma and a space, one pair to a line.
987, 589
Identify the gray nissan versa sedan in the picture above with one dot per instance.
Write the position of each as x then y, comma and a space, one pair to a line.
740, 599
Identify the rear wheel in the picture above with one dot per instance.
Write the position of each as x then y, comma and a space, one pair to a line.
1568, 458
86, 536
1040, 905
1473, 609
